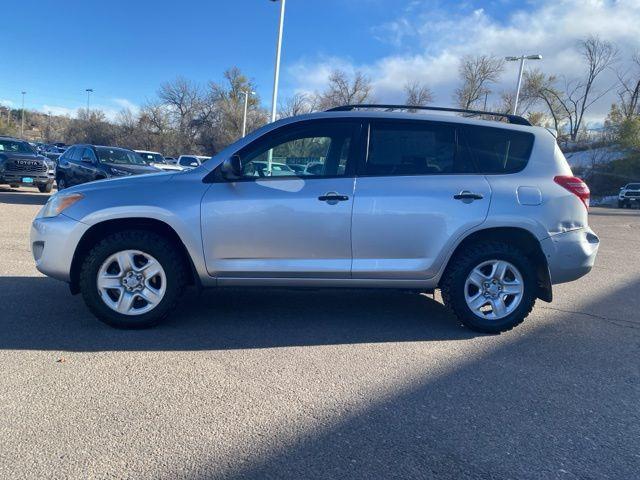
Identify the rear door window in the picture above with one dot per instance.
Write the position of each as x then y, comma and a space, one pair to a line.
498, 150
414, 148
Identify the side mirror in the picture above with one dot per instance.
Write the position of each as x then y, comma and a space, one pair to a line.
232, 167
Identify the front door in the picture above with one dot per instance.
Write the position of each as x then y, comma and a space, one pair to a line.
289, 215
415, 192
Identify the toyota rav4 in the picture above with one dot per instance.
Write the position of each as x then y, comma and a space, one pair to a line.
487, 211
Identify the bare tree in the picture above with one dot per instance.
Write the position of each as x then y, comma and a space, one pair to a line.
418, 94
184, 100
343, 91
578, 95
478, 74
298, 104
541, 87
629, 89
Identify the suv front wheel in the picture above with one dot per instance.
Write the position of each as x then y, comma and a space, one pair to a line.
491, 287
132, 279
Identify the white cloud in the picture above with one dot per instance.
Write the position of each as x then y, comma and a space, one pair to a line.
58, 110
436, 40
5, 102
126, 104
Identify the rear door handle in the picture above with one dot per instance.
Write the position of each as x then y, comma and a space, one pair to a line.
467, 195
333, 198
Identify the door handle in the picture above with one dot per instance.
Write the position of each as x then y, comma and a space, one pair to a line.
467, 195
333, 198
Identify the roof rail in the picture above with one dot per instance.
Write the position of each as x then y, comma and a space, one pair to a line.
515, 119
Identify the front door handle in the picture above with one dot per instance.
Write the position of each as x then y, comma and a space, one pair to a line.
467, 195
333, 197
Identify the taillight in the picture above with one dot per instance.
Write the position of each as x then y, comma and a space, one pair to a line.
576, 186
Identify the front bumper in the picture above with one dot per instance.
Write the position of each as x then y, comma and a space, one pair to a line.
16, 178
570, 255
53, 242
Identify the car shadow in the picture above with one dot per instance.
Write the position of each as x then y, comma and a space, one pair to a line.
40, 313
20, 197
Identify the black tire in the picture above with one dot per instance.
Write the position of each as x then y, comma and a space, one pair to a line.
453, 285
46, 188
162, 249
61, 183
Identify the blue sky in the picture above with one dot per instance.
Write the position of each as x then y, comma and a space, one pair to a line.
125, 49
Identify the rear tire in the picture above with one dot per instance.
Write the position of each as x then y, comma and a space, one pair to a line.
166, 295
509, 310
46, 188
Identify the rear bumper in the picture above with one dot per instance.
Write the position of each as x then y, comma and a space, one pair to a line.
53, 243
570, 255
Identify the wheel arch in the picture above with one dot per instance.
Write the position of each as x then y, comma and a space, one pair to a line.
519, 237
107, 227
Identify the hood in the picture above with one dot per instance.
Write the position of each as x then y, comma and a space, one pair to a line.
133, 169
131, 182
22, 156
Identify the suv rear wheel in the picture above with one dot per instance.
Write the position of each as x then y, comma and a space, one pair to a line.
132, 279
491, 287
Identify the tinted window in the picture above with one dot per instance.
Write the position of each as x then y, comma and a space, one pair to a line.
318, 149
88, 153
633, 186
118, 156
498, 150
413, 148
76, 153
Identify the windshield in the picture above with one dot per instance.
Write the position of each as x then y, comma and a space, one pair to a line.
152, 157
119, 156
633, 186
15, 146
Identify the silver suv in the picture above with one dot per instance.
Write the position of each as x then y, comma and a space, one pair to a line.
486, 211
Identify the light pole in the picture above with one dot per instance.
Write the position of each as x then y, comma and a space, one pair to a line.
246, 94
89, 92
522, 58
276, 77
22, 120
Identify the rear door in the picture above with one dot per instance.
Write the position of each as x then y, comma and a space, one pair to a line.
416, 191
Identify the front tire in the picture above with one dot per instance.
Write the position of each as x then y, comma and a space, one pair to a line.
132, 279
46, 188
491, 287
61, 183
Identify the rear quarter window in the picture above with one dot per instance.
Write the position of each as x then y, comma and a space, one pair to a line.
498, 150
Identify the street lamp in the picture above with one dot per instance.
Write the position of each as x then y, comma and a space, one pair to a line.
522, 58
246, 94
22, 120
89, 92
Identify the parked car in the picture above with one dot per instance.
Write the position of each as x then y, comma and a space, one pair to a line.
191, 161
487, 211
20, 165
629, 195
156, 159
86, 163
261, 169
171, 160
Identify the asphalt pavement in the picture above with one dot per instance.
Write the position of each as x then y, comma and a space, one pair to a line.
320, 384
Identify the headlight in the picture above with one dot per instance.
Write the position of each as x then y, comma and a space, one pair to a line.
117, 171
59, 202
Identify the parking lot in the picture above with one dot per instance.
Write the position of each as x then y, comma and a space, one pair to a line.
320, 384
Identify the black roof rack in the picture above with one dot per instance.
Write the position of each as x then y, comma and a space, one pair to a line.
515, 119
